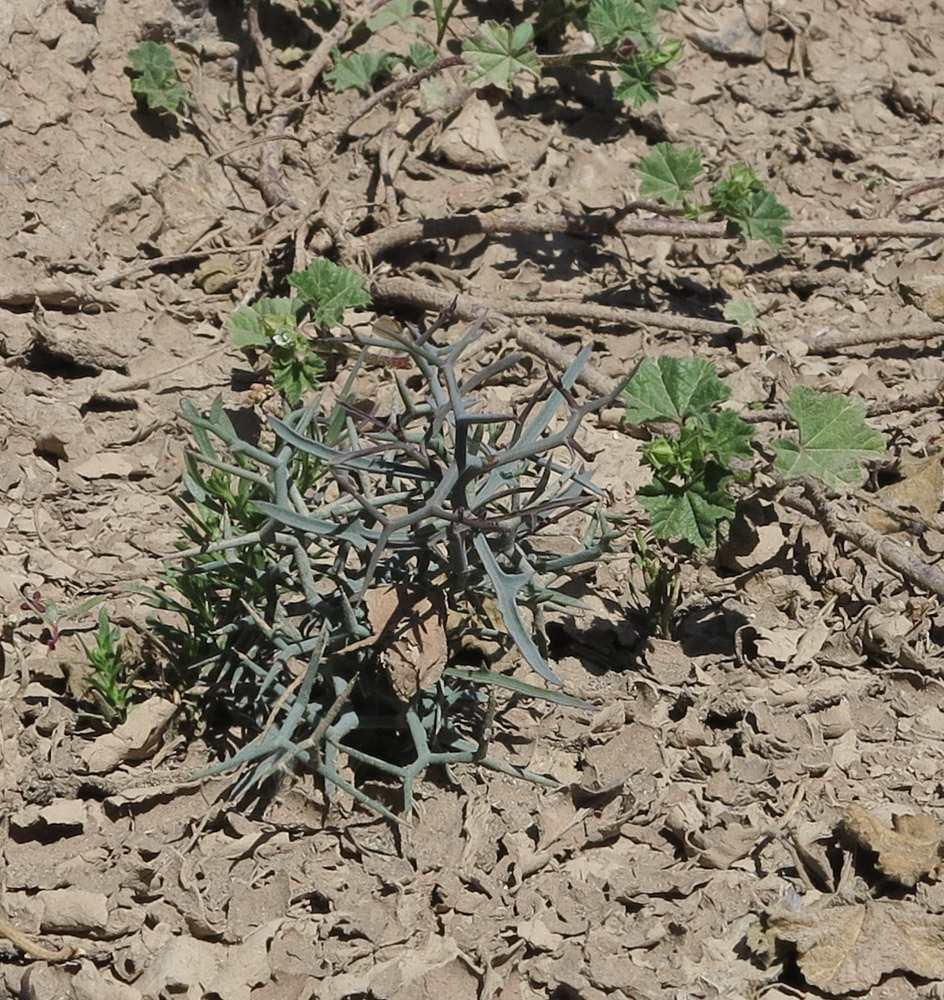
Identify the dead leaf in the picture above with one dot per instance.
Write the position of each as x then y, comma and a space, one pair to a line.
912, 849
918, 491
850, 947
472, 140
137, 738
411, 630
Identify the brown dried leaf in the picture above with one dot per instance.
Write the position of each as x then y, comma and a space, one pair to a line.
911, 850
919, 490
412, 632
850, 947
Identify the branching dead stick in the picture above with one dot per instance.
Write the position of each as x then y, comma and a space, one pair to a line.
329, 140
892, 554
410, 292
258, 41
456, 226
319, 58
546, 349
919, 188
831, 340
617, 224
611, 314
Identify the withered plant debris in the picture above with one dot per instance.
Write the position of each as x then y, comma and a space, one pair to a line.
911, 849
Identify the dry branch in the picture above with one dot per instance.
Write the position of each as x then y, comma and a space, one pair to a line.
836, 340
895, 556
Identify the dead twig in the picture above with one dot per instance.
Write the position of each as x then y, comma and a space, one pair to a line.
29, 947
271, 184
618, 224
255, 33
812, 502
612, 314
317, 61
836, 340
927, 399
330, 139
406, 290
912, 190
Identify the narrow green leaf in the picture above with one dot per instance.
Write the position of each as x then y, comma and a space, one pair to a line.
834, 439
507, 586
671, 389
519, 687
667, 173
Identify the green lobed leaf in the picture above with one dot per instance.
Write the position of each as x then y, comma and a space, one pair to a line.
667, 173
398, 12
672, 389
726, 437
266, 321
762, 217
157, 80
753, 210
330, 289
295, 377
692, 511
421, 56
500, 53
613, 21
359, 70
744, 313
834, 439
636, 83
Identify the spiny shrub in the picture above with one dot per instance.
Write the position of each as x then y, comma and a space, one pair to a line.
336, 583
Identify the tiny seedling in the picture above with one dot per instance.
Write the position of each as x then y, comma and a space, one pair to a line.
668, 173
109, 680
156, 80
659, 594
709, 449
48, 613
744, 314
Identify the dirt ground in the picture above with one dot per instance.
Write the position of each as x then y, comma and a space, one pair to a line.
723, 822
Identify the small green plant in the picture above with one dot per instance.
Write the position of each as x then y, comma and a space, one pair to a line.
109, 680
626, 34
744, 314
156, 80
709, 449
659, 594
668, 173
48, 613
277, 325
339, 577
